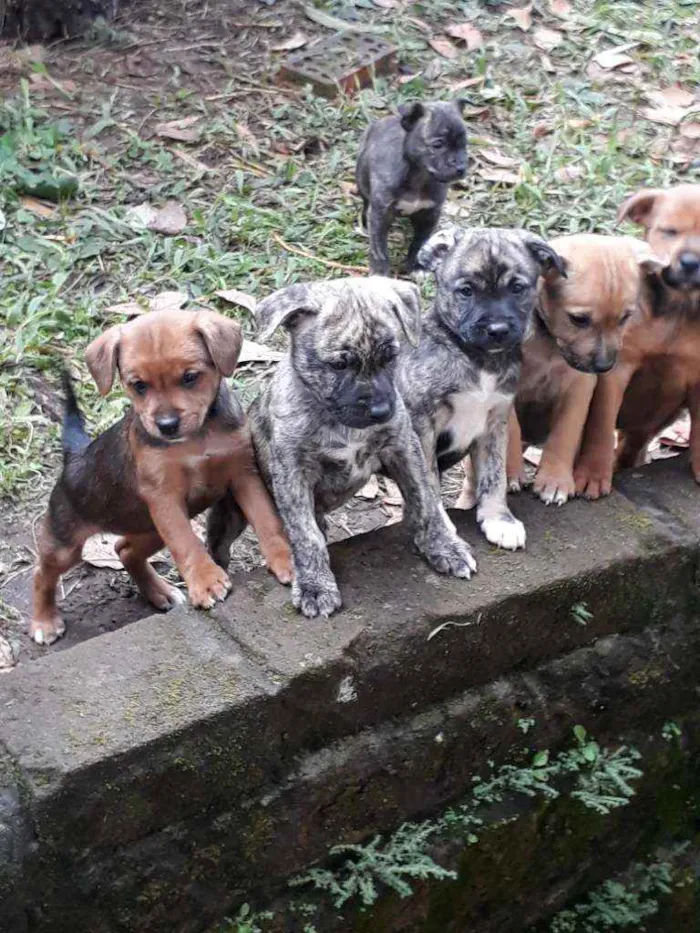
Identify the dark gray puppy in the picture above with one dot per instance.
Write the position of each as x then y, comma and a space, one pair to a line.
405, 166
459, 382
330, 418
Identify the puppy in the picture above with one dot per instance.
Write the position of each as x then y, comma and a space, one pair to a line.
331, 417
405, 166
576, 335
460, 381
658, 372
181, 445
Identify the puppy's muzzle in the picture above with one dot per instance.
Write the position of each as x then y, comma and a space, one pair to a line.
492, 336
168, 425
684, 271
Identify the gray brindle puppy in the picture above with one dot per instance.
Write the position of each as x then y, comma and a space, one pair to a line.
460, 381
330, 418
405, 166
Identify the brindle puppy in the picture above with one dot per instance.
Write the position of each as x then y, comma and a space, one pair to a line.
460, 381
331, 417
406, 165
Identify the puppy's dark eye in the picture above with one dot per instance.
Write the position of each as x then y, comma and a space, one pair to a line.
388, 354
438, 144
190, 379
625, 317
466, 290
670, 231
580, 320
139, 387
517, 288
340, 364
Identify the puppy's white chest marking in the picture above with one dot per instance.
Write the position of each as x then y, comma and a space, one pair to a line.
470, 412
411, 204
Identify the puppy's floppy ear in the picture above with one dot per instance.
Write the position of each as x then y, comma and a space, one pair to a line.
432, 254
222, 337
410, 114
648, 261
285, 307
638, 207
101, 357
460, 103
548, 258
408, 311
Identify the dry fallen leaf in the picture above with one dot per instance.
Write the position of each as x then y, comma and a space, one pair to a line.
467, 82
252, 352
386, 4
235, 297
140, 216
129, 308
99, 551
393, 495
616, 57
41, 208
180, 130
8, 655
547, 64
560, 8
547, 39
295, 41
666, 116
192, 162
497, 158
443, 47
671, 97
465, 32
533, 455
542, 129
168, 301
245, 133
499, 176
690, 130
522, 17
170, 220
568, 173
420, 23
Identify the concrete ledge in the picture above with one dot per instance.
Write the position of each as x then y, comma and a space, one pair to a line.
260, 739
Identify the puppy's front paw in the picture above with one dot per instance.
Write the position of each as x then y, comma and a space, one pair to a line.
518, 481
593, 479
209, 585
278, 558
320, 598
554, 486
504, 531
47, 631
452, 556
163, 595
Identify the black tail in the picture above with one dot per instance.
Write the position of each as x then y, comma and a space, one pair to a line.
75, 437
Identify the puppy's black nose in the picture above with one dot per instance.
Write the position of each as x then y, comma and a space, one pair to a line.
498, 331
461, 171
168, 425
689, 263
380, 411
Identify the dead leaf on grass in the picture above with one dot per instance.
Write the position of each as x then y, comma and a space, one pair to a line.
421, 24
140, 216
296, 41
41, 208
522, 17
568, 173
180, 130
252, 352
666, 116
167, 301
235, 297
560, 8
98, 551
128, 308
465, 32
192, 162
671, 97
497, 158
467, 82
548, 65
547, 39
499, 176
393, 495
170, 220
443, 47
690, 130
8, 655
386, 4
615, 57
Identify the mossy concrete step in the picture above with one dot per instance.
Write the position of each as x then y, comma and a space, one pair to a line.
134, 753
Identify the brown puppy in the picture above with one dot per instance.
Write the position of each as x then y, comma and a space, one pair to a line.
181, 446
659, 367
576, 335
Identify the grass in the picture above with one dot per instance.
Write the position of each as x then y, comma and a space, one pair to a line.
282, 163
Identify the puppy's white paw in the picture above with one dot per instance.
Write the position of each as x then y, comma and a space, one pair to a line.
514, 484
553, 495
316, 599
452, 557
506, 532
47, 631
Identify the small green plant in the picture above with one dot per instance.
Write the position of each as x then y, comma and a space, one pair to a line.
246, 921
581, 613
616, 905
525, 725
671, 731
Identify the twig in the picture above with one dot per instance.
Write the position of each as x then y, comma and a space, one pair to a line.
359, 270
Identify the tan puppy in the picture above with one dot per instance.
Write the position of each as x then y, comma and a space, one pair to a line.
576, 336
183, 444
659, 367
